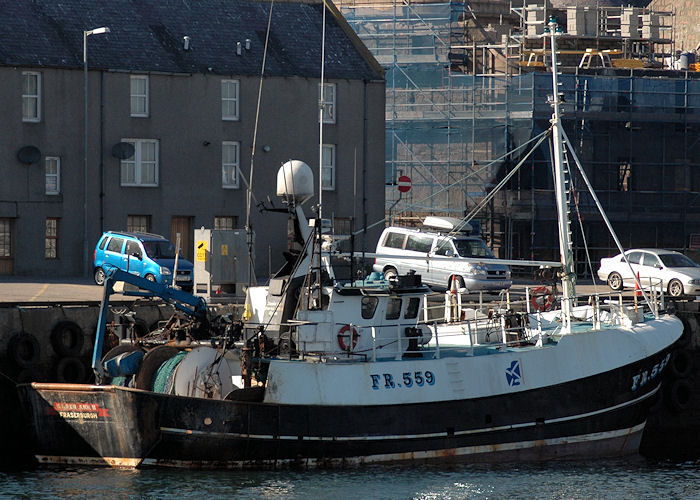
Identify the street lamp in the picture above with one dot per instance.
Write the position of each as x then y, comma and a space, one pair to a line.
96, 31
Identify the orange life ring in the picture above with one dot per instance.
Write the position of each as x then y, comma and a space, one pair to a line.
343, 334
542, 299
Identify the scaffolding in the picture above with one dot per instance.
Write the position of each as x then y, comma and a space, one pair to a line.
461, 96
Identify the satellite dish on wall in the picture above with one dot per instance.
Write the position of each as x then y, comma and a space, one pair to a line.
29, 155
123, 150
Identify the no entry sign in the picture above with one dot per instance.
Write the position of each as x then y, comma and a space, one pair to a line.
404, 183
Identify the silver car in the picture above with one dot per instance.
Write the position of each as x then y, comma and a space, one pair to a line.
673, 271
440, 259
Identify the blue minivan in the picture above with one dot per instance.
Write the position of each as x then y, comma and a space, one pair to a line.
147, 255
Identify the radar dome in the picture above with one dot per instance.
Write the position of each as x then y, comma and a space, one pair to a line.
295, 181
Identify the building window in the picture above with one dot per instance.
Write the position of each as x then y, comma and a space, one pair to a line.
328, 169
342, 225
229, 99
5, 238
139, 95
624, 177
225, 222
31, 96
141, 169
327, 101
138, 223
229, 164
53, 174
51, 238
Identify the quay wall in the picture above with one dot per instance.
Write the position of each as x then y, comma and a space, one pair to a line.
51, 343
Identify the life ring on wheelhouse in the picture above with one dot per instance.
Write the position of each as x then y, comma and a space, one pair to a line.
542, 299
344, 335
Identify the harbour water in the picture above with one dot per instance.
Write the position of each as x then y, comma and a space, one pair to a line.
630, 478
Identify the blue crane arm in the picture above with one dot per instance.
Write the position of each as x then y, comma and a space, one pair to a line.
185, 302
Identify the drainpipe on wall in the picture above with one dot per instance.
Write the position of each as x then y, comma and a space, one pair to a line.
102, 165
364, 172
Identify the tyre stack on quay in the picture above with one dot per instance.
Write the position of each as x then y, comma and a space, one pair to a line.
673, 428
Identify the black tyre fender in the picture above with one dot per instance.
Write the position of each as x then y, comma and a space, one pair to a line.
681, 364
67, 338
26, 375
690, 326
679, 395
24, 349
150, 364
71, 370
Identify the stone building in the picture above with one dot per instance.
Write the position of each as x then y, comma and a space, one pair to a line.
172, 93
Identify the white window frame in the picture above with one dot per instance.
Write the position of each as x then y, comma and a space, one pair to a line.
138, 97
36, 117
52, 161
51, 233
227, 164
328, 102
329, 156
138, 163
227, 100
224, 222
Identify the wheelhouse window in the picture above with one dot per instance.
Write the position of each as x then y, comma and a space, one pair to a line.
230, 154
369, 306
224, 222
327, 102
52, 169
328, 168
31, 96
51, 238
138, 223
139, 95
141, 169
412, 308
229, 99
393, 308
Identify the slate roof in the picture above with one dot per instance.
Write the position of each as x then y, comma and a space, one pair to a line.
147, 35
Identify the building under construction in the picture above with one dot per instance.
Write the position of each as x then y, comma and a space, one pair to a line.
467, 86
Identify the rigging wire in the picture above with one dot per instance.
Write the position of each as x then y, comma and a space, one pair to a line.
458, 181
249, 184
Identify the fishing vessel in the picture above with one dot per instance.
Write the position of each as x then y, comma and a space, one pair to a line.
325, 373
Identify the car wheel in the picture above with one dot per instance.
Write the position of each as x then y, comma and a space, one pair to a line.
458, 281
390, 274
150, 277
100, 276
675, 288
615, 281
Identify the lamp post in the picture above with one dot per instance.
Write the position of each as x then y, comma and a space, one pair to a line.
96, 31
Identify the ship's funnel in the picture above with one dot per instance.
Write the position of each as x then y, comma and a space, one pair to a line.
295, 182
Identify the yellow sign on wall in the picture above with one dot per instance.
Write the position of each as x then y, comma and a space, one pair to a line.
202, 250
224, 249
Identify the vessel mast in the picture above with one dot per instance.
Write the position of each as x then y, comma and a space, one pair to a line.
560, 187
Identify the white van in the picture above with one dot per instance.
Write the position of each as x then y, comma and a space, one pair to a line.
440, 254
